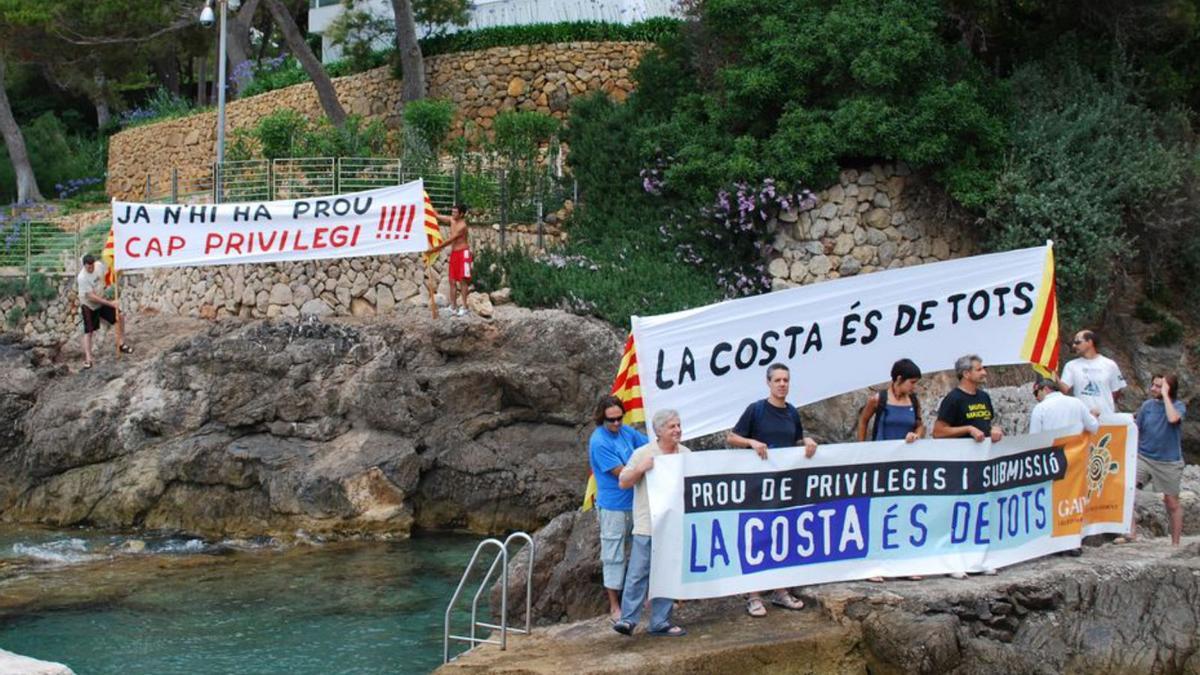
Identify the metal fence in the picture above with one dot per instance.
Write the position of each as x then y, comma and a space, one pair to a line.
32, 242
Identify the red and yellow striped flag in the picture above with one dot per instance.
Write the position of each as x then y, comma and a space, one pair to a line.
1041, 339
627, 386
107, 257
433, 234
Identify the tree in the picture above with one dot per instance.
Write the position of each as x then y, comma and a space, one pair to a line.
409, 50
27, 189
316, 72
240, 48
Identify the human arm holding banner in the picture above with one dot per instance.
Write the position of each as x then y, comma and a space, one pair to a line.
632, 474
738, 441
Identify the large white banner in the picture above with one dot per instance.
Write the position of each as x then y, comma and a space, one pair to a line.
386, 221
709, 363
726, 522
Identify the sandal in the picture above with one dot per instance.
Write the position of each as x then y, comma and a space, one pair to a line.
670, 631
86, 365
754, 607
623, 627
125, 349
1126, 539
787, 601
875, 580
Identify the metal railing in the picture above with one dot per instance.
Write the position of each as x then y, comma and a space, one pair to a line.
500, 560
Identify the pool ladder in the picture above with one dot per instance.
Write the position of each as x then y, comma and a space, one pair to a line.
501, 559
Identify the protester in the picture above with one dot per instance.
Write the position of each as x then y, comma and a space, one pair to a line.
460, 259
1160, 455
772, 422
895, 412
1092, 378
1055, 410
609, 449
94, 306
667, 432
967, 410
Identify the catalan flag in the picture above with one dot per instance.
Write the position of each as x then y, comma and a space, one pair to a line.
627, 387
106, 257
432, 232
1041, 339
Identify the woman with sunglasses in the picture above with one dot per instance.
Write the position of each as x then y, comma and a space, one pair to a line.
609, 449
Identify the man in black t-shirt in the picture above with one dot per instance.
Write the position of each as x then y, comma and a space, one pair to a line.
772, 422
967, 410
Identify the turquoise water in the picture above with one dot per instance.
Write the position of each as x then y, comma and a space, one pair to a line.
184, 606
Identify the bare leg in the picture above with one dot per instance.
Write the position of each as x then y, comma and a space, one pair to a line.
614, 603
87, 347
463, 291
120, 328
1175, 514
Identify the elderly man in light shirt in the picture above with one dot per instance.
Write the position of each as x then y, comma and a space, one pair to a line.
1056, 410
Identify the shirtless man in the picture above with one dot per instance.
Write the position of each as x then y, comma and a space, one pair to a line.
460, 258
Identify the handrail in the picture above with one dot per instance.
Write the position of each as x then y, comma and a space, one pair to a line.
501, 559
454, 598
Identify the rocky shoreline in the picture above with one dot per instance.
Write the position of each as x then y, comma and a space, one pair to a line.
236, 428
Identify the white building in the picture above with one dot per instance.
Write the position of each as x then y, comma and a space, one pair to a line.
488, 13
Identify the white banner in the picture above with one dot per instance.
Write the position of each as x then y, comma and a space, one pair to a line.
709, 363
386, 221
726, 522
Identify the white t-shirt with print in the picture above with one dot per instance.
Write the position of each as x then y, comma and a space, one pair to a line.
1093, 381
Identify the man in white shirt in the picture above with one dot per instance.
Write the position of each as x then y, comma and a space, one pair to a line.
94, 306
1057, 411
1093, 378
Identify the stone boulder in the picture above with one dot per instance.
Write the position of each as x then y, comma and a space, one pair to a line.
567, 579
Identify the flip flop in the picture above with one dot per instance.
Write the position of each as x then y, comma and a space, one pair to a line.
754, 607
86, 365
623, 627
125, 349
670, 631
1124, 540
875, 580
787, 601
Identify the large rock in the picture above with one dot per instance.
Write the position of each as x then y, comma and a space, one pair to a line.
15, 664
267, 428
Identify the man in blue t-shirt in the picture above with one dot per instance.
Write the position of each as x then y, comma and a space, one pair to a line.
609, 450
772, 422
1160, 454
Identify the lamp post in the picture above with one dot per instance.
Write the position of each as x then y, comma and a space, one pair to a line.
206, 19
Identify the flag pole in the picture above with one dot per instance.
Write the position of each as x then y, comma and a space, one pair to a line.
117, 310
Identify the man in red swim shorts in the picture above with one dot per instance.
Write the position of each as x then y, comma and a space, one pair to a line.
460, 259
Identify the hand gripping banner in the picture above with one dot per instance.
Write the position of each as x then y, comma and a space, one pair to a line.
386, 221
726, 522
708, 363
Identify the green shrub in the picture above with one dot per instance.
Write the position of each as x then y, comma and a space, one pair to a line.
286, 133
650, 30
59, 157
432, 119
14, 317
161, 105
1086, 158
272, 75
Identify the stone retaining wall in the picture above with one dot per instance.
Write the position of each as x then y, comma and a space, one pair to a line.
350, 287
481, 84
879, 217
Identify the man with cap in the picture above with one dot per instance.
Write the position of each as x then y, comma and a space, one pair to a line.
94, 307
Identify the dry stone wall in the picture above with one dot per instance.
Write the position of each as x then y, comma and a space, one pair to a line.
367, 286
481, 84
879, 217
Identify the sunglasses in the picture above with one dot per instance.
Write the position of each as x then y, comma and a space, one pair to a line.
612, 420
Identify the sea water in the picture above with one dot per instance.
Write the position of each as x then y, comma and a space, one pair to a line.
103, 603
